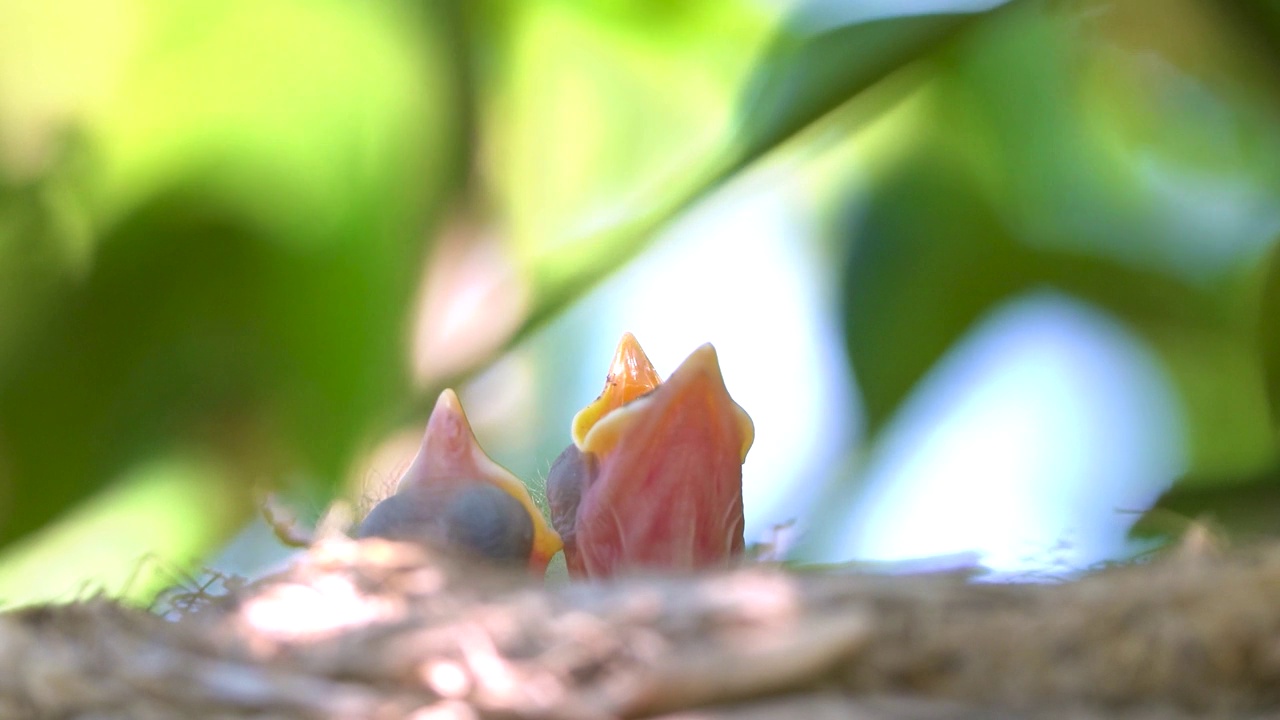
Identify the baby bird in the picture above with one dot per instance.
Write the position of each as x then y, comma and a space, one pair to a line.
453, 496
653, 478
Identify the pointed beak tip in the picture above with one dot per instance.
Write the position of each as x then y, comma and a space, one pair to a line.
630, 363
448, 408
448, 400
702, 367
631, 375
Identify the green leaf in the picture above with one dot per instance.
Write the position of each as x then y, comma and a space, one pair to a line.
1268, 330
226, 236
128, 541
606, 120
816, 63
1021, 180
928, 258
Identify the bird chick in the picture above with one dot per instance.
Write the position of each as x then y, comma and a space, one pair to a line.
653, 478
453, 496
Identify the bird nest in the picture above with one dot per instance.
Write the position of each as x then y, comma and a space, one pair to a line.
376, 629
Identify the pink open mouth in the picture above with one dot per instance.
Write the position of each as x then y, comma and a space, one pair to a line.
653, 479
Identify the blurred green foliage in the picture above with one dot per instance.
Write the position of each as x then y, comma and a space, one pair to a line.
213, 225
1025, 185
213, 215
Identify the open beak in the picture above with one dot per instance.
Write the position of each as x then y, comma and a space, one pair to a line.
454, 494
631, 375
654, 476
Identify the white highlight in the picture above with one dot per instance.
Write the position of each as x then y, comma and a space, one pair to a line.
1027, 445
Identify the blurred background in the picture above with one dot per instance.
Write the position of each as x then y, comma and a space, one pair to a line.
993, 279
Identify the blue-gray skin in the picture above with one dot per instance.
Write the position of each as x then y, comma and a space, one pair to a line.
566, 480
479, 520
